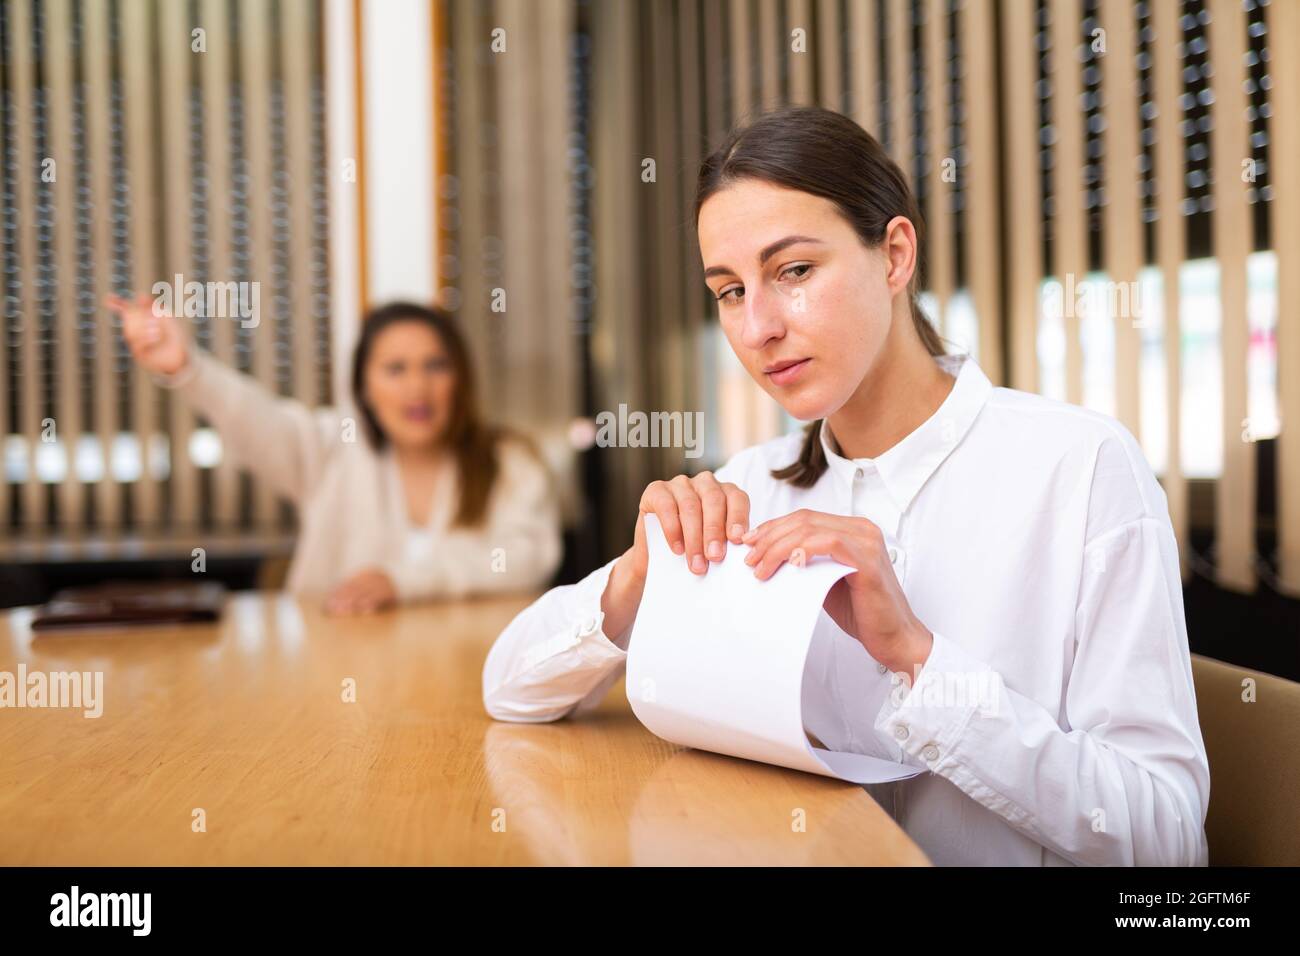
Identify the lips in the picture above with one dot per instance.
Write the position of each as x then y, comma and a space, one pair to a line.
783, 373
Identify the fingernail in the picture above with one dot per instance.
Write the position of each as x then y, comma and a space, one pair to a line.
697, 564
751, 557
715, 550
737, 530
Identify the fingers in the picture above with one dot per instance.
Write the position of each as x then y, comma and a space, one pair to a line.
737, 512
713, 501
690, 512
659, 501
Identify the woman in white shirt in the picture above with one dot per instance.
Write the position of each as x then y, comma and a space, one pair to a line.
412, 497
1002, 540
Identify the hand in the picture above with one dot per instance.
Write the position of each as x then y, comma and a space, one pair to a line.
699, 515
156, 339
868, 604
365, 592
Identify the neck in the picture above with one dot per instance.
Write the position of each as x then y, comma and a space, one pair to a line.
903, 388
417, 456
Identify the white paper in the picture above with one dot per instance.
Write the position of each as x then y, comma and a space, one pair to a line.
716, 661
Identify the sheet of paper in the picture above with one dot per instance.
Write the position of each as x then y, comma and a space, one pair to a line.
716, 662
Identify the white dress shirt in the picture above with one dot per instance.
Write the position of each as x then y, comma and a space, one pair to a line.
1056, 711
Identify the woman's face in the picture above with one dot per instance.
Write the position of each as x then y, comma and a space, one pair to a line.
805, 304
410, 384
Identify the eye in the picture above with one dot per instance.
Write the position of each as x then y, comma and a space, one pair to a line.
797, 271
739, 289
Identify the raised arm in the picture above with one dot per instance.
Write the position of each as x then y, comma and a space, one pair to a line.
280, 440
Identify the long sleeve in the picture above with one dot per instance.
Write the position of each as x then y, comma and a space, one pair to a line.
518, 549
554, 658
281, 441
1125, 780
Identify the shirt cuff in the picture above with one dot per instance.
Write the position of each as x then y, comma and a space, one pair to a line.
927, 721
185, 375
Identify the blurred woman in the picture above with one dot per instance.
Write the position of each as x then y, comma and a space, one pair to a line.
417, 498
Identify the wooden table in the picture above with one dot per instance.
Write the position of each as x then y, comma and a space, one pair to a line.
246, 722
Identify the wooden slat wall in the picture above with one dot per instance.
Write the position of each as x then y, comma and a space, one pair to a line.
1235, 490
93, 52
830, 62
1171, 251
1284, 36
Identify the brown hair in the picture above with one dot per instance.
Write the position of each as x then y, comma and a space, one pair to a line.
471, 440
824, 153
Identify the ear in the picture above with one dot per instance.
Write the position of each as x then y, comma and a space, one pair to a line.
901, 253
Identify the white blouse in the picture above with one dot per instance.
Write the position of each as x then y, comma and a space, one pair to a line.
1055, 713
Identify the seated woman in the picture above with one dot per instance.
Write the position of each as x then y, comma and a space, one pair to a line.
997, 537
418, 498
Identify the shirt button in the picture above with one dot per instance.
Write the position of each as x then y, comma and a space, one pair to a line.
893, 555
930, 753
881, 668
588, 626
857, 473
901, 731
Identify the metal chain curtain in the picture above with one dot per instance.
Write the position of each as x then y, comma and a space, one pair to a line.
143, 139
1068, 159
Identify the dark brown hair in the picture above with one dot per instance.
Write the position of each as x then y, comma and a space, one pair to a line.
469, 438
824, 153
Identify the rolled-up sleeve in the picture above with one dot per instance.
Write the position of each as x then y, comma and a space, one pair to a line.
1123, 778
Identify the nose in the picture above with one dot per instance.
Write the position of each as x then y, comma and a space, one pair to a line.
763, 321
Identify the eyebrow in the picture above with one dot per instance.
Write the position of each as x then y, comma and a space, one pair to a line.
767, 252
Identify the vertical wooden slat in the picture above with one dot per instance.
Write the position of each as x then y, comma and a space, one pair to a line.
1023, 202
95, 64
467, 49
899, 51
742, 64
1122, 223
1235, 491
830, 61
517, 105
1171, 250
296, 77
862, 64
983, 229
1284, 37
801, 64
22, 84
940, 274
255, 67
59, 64
141, 134
215, 73
175, 60
716, 114
1070, 199
555, 369
771, 47
690, 99
616, 353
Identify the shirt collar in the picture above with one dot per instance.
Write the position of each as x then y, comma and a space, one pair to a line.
907, 466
